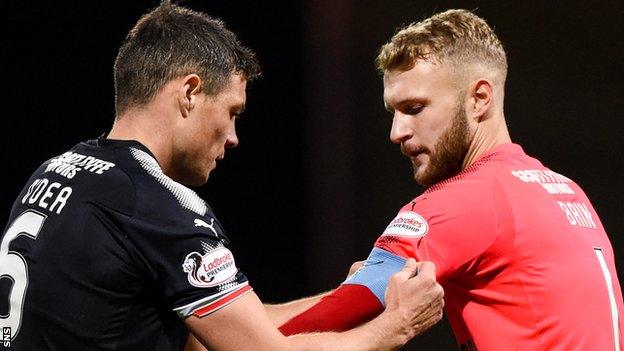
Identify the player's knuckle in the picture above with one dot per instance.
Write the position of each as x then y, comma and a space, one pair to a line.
439, 290
429, 280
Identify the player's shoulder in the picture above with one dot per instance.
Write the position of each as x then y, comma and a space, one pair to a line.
479, 186
91, 174
159, 199
123, 176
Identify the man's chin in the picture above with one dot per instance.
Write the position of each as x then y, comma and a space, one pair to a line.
195, 179
424, 178
421, 182
204, 179
419, 177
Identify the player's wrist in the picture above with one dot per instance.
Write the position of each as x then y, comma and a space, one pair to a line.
393, 328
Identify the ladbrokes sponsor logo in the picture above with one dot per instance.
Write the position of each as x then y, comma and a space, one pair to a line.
210, 269
408, 224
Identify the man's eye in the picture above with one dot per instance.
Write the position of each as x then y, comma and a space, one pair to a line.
413, 110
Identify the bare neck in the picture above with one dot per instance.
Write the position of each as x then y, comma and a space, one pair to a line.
488, 135
147, 127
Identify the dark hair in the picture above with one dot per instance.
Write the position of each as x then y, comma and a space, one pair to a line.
170, 42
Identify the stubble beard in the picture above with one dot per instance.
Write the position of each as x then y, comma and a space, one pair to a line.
446, 160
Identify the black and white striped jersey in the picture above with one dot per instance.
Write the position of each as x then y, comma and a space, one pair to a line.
104, 251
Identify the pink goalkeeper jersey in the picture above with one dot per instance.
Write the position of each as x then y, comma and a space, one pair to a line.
522, 255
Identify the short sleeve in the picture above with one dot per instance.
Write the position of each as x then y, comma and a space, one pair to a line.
188, 262
180, 248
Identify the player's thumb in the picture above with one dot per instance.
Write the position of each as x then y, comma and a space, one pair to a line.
426, 270
409, 269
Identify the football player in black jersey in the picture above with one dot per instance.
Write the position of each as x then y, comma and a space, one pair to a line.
108, 250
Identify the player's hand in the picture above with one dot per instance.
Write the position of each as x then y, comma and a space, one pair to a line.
354, 267
415, 297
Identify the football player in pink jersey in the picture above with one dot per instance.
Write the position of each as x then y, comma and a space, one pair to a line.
519, 249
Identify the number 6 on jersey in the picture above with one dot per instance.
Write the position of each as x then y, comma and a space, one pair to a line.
13, 266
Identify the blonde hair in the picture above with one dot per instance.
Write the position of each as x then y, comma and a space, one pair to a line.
458, 37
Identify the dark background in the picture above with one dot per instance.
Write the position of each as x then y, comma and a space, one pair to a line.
315, 179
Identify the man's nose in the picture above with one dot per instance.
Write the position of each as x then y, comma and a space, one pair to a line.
400, 131
232, 139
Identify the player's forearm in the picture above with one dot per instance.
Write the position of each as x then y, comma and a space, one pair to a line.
382, 333
412, 305
280, 313
244, 325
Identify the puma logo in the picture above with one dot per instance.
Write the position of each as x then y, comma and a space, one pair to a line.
200, 223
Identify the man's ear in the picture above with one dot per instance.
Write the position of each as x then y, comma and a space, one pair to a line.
188, 92
481, 96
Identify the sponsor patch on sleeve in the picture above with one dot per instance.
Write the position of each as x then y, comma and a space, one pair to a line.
214, 267
407, 224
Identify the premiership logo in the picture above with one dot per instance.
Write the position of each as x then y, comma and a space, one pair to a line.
407, 224
210, 269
